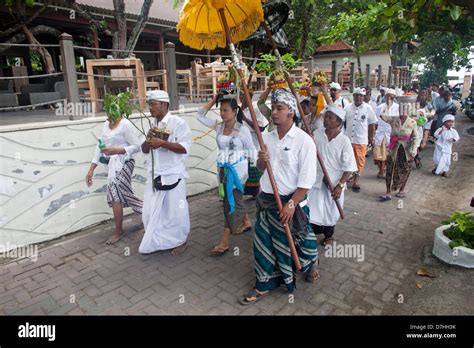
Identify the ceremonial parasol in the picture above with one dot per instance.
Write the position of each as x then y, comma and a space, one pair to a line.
207, 24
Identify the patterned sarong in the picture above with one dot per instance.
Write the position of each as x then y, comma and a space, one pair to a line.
252, 184
273, 262
120, 190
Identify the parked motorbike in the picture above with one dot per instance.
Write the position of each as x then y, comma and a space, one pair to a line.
468, 105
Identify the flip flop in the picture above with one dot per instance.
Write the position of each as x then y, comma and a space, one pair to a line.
400, 195
355, 188
240, 231
385, 198
219, 251
253, 293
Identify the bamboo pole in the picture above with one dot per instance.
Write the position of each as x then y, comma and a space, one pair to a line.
237, 64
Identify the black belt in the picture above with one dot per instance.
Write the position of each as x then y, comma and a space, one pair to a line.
160, 187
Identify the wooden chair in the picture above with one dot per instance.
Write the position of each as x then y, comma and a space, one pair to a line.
202, 82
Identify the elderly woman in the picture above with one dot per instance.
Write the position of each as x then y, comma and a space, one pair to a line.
122, 143
382, 135
235, 147
403, 148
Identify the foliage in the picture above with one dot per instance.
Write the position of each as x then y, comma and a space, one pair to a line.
269, 65
461, 232
36, 62
116, 106
438, 59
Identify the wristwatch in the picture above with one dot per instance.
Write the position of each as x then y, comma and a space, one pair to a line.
341, 185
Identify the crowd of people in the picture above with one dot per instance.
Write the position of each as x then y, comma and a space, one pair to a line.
342, 131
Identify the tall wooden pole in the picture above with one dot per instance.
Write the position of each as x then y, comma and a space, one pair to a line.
237, 64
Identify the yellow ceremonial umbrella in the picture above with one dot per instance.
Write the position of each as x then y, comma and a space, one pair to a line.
201, 25
207, 24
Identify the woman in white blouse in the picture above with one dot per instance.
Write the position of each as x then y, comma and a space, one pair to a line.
121, 143
235, 148
382, 134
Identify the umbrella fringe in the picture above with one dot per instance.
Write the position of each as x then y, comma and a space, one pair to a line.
211, 41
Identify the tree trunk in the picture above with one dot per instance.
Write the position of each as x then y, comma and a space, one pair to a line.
120, 37
304, 37
47, 59
139, 26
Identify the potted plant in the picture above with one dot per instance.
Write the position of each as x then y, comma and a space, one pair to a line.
454, 241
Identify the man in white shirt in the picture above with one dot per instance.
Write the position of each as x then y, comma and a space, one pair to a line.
336, 151
335, 93
292, 154
368, 98
165, 208
360, 128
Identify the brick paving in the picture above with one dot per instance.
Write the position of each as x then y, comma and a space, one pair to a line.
80, 275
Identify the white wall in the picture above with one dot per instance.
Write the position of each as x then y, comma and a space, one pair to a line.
43, 194
375, 59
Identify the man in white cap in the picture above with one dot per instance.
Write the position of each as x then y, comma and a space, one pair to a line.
335, 92
336, 152
360, 128
381, 96
165, 208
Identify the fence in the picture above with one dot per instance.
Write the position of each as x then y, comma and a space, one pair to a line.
346, 75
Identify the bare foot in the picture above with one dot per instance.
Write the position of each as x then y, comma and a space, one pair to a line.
114, 239
179, 249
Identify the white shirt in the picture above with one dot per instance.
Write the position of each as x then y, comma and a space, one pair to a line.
171, 165
339, 102
292, 159
444, 142
383, 128
124, 135
358, 119
235, 148
337, 155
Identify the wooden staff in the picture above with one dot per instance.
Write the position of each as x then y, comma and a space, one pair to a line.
305, 122
268, 167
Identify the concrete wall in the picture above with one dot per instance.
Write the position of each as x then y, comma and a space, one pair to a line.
43, 194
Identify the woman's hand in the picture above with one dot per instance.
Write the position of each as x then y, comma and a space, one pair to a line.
89, 176
411, 158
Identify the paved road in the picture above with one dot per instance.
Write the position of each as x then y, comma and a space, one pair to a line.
81, 275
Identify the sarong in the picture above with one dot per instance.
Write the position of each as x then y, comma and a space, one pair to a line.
252, 185
273, 261
397, 172
120, 190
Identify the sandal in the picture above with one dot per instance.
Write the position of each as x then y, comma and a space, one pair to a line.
356, 188
380, 176
385, 198
313, 273
400, 195
241, 230
219, 250
254, 296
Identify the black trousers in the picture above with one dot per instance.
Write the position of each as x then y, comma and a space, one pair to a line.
328, 231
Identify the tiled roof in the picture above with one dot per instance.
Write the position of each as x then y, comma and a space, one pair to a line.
337, 46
